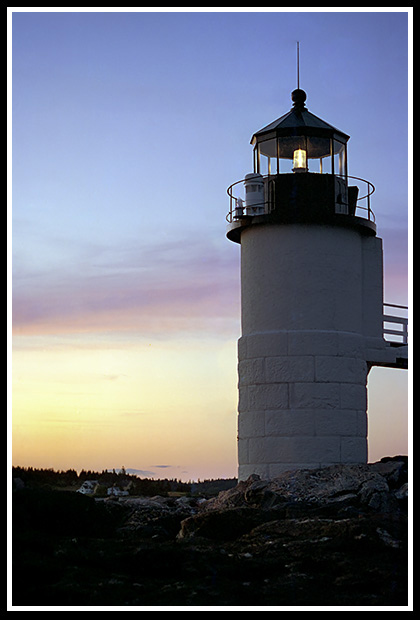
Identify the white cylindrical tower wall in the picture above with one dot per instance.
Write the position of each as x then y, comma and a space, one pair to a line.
302, 354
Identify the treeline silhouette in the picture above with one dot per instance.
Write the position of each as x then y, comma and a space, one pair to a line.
72, 480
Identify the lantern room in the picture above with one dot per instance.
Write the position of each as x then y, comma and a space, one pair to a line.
299, 175
300, 142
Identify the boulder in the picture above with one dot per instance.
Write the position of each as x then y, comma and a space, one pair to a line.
339, 491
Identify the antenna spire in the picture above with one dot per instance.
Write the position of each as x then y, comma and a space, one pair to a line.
298, 95
297, 50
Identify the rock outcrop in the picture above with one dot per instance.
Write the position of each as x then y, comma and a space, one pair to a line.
336, 536
339, 491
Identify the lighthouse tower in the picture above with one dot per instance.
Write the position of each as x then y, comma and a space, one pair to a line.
311, 299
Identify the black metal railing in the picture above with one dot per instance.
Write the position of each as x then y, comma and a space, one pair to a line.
238, 208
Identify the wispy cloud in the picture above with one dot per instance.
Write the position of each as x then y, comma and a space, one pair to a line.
143, 473
168, 287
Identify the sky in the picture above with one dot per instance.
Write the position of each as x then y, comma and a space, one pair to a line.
125, 130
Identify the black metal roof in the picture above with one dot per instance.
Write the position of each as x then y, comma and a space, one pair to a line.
299, 121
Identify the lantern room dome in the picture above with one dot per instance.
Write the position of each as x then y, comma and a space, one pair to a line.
298, 129
300, 122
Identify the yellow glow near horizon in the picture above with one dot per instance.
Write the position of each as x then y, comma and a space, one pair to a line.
388, 412
137, 405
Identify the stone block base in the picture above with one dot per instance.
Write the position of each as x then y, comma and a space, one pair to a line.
302, 401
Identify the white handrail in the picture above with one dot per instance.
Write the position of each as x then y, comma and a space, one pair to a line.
398, 325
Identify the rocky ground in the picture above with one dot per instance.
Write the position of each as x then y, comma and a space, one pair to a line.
327, 537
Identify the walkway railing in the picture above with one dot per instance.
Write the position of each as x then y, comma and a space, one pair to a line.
395, 326
366, 188
238, 209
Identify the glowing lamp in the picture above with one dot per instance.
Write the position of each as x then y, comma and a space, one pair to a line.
299, 161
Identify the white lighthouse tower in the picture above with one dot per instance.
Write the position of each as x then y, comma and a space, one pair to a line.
311, 299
